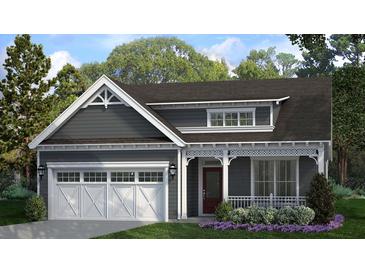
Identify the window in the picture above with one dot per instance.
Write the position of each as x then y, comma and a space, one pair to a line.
150, 176
68, 177
122, 176
216, 119
275, 176
246, 118
95, 177
231, 118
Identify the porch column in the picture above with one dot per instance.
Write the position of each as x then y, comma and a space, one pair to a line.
179, 183
321, 160
225, 163
184, 185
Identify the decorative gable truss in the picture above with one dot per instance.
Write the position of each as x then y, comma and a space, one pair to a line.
105, 97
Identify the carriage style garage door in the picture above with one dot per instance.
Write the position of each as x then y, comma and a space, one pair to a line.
109, 191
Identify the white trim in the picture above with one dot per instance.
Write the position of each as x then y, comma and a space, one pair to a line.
146, 164
278, 100
262, 142
97, 147
225, 129
225, 164
184, 197
178, 183
75, 106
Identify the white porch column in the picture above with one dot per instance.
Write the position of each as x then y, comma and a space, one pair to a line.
225, 163
178, 183
184, 185
321, 160
38, 178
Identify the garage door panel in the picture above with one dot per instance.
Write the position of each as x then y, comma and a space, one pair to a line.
68, 201
94, 201
150, 201
122, 201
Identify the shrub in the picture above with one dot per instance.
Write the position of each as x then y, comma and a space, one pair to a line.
17, 191
35, 209
285, 216
238, 215
341, 191
321, 199
270, 215
6, 179
223, 210
303, 215
260, 215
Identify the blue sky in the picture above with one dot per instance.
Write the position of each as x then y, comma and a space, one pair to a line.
78, 49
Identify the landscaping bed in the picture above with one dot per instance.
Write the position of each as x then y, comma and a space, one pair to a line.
353, 211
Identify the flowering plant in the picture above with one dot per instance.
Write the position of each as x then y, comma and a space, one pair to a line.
335, 223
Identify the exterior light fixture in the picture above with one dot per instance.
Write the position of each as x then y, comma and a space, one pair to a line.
172, 169
41, 170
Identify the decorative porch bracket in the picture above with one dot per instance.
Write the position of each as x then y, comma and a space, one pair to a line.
274, 152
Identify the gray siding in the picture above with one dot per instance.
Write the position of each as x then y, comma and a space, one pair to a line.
240, 177
307, 169
185, 117
117, 121
193, 188
275, 112
262, 116
113, 156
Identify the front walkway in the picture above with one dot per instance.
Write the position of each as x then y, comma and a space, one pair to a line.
59, 229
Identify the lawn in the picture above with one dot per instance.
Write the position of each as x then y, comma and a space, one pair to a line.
353, 228
12, 212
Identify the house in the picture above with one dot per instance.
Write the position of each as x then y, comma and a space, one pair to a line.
171, 151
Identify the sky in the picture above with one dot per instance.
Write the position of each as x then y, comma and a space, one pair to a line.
78, 49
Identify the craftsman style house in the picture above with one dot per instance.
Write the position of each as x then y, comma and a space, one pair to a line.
167, 151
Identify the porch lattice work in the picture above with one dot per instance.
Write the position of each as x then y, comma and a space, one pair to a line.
266, 201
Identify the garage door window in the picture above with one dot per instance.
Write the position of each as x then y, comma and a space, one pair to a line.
122, 176
150, 176
95, 177
68, 177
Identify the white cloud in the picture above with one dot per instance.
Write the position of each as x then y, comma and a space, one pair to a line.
2, 60
229, 50
58, 60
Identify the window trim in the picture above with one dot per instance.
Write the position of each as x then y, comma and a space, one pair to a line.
275, 159
230, 110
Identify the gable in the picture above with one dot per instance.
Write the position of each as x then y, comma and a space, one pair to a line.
115, 121
88, 99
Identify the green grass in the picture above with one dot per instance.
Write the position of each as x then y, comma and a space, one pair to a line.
12, 212
353, 228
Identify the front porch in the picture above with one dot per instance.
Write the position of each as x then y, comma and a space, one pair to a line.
268, 176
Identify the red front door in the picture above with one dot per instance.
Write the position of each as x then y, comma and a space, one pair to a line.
212, 188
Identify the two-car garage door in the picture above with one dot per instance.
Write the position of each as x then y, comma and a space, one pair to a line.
109, 193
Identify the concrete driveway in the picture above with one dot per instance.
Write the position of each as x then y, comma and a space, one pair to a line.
60, 229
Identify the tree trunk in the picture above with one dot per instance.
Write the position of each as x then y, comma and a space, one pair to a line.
342, 164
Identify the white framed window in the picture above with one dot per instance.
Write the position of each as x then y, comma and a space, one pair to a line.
275, 176
122, 176
94, 177
68, 177
242, 117
150, 176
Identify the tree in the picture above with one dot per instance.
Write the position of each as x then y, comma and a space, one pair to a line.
161, 60
92, 71
348, 114
69, 81
317, 62
287, 64
259, 64
308, 42
349, 46
24, 105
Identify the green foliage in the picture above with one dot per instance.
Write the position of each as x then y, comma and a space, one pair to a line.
69, 81
222, 212
35, 209
6, 179
285, 216
260, 215
287, 64
341, 191
24, 105
308, 41
317, 62
321, 199
350, 47
303, 215
17, 191
92, 72
239, 215
159, 60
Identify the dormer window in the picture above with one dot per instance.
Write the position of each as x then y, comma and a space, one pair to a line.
231, 117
